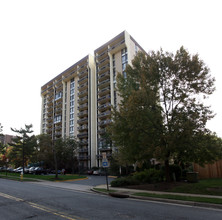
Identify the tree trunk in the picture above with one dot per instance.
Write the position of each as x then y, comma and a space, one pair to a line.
55, 159
167, 170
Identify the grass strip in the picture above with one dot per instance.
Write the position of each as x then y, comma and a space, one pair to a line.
179, 197
30, 177
205, 187
104, 190
17, 178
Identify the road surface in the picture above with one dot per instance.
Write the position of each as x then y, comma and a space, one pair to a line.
25, 200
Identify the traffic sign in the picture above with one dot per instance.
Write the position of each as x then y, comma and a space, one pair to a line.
105, 164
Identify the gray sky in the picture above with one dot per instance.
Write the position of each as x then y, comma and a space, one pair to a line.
41, 38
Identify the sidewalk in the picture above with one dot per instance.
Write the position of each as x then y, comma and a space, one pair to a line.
124, 193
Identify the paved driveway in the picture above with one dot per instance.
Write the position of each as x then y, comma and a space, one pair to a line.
92, 180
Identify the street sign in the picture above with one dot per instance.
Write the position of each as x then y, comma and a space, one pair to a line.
105, 164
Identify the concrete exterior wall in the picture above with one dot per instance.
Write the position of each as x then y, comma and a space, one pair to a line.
93, 155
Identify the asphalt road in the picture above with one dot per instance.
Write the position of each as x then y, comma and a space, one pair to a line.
24, 200
92, 180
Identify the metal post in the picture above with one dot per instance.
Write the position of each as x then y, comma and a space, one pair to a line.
107, 184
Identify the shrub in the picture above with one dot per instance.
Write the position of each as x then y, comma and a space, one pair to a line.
124, 181
146, 176
149, 176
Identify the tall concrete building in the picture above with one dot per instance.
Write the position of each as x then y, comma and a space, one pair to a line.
77, 102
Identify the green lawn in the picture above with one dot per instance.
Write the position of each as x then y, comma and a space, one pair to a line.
184, 198
30, 177
207, 186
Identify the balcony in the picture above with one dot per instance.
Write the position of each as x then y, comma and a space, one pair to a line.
49, 114
116, 45
104, 68
49, 98
104, 122
49, 131
83, 113
49, 108
83, 93
102, 55
83, 73
104, 114
104, 83
83, 127
58, 134
58, 104
58, 110
83, 86
82, 67
104, 76
82, 121
105, 148
83, 157
83, 106
104, 99
49, 119
83, 142
83, 79
83, 150
99, 156
58, 128
104, 106
83, 135
104, 91
101, 131
83, 100
103, 61
50, 103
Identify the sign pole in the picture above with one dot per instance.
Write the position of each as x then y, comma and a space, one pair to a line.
107, 184
105, 165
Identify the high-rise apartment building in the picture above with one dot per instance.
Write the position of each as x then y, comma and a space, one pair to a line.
77, 102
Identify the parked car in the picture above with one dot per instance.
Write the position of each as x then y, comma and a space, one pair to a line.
31, 170
9, 169
99, 172
18, 170
90, 172
40, 171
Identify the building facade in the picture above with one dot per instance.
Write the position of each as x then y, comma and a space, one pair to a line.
77, 102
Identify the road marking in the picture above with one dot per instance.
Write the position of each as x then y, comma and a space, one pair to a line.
11, 197
40, 207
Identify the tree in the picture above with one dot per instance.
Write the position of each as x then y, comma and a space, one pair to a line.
1, 129
23, 146
162, 113
138, 117
64, 150
66, 153
45, 152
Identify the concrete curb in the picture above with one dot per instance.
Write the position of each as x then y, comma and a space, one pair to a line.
190, 203
181, 202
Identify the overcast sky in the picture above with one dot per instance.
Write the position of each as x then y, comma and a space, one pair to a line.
39, 39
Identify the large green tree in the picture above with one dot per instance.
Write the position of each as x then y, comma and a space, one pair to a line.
1, 129
24, 146
66, 152
45, 152
162, 112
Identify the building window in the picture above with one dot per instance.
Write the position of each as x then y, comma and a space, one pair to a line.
136, 49
57, 119
71, 110
58, 95
115, 99
124, 60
